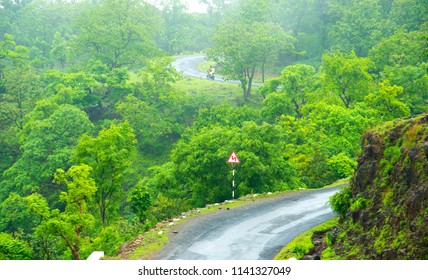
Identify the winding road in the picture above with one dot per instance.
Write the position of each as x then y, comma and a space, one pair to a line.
253, 232
187, 66
257, 231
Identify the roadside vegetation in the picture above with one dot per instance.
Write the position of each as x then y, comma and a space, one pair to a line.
101, 139
302, 244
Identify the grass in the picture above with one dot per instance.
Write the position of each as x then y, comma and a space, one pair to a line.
151, 243
344, 181
206, 92
302, 244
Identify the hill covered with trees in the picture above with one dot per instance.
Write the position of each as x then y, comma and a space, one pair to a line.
99, 141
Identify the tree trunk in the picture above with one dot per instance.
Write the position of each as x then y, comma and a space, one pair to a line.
263, 72
74, 248
250, 80
297, 108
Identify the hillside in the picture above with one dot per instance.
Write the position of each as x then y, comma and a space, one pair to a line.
384, 211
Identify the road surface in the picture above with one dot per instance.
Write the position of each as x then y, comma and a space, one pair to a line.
254, 232
187, 66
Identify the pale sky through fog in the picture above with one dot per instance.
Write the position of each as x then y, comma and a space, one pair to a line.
194, 6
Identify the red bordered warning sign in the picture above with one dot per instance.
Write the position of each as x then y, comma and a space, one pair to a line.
233, 158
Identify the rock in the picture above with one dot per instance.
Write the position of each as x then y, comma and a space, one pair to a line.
388, 254
392, 175
365, 219
355, 215
311, 257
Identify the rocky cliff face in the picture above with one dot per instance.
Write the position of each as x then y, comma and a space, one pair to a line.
387, 216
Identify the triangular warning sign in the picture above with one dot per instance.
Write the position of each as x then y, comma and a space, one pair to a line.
233, 158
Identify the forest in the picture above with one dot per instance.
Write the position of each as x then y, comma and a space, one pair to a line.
100, 139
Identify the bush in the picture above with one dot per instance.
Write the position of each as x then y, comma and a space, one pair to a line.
341, 201
12, 249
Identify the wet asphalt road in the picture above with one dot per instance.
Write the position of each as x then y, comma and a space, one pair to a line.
187, 66
253, 232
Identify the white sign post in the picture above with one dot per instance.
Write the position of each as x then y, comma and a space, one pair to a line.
233, 159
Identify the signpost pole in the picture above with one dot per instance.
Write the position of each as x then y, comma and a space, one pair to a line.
233, 182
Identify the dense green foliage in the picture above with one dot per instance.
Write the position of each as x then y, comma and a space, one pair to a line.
98, 144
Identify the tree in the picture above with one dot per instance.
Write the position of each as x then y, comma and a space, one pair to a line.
385, 101
60, 50
109, 154
297, 82
118, 32
359, 27
305, 20
141, 201
72, 223
20, 215
22, 90
199, 162
47, 147
178, 25
409, 14
401, 60
19, 85
36, 24
345, 76
242, 48
13, 249
156, 110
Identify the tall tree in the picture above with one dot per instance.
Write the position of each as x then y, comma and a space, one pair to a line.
298, 81
71, 223
118, 32
47, 147
109, 154
177, 25
359, 27
401, 59
345, 76
156, 110
242, 48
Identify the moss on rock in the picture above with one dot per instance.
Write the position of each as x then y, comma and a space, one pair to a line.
387, 217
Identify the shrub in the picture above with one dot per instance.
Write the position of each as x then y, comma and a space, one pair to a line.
341, 201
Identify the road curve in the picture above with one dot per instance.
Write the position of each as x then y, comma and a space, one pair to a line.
187, 66
253, 232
